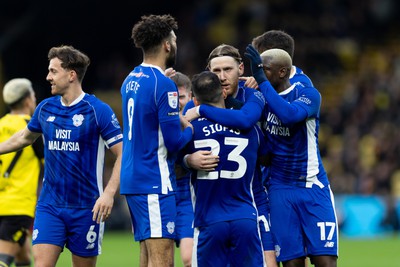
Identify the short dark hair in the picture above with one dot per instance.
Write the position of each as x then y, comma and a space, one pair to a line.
71, 59
224, 50
206, 87
181, 79
151, 30
274, 39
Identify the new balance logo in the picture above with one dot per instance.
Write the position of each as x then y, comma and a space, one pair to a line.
90, 246
51, 118
329, 244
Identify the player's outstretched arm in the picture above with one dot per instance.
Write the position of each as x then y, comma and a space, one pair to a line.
103, 206
244, 118
286, 112
18, 141
174, 138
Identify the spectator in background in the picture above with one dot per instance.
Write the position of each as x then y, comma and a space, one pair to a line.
77, 128
152, 137
19, 176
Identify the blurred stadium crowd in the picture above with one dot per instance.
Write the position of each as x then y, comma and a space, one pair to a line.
350, 49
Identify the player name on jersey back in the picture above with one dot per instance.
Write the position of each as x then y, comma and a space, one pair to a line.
213, 128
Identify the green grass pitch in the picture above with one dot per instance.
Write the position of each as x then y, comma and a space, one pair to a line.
120, 250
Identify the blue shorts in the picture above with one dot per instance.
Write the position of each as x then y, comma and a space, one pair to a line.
184, 211
303, 221
153, 215
262, 203
70, 227
230, 243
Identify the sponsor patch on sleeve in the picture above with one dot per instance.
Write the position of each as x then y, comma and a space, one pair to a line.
173, 99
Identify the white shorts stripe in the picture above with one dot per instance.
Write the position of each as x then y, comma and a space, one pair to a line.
154, 215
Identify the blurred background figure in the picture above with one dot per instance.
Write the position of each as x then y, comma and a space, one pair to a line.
184, 85
19, 176
184, 208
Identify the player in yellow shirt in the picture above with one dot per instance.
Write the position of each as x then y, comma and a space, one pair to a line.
19, 176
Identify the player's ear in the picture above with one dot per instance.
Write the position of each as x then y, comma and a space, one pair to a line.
241, 69
283, 72
167, 46
196, 103
72, 76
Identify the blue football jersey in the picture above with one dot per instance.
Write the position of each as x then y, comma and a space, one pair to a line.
75, 138
300, 76
294, 147
226, 193
149, 100
242, 94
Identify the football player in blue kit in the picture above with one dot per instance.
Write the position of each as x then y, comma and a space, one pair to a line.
299, 191
152, 138
184, 207
76, 129
225, 215
282, 40
226, 62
